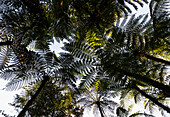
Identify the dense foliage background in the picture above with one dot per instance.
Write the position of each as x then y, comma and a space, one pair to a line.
108, 53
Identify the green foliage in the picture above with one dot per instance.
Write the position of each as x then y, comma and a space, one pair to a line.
53, 100
110, 52
99, 101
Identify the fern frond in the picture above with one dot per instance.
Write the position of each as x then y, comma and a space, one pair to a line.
88, 80
4, 60
160, 14
94, 39
81, 51
21, 81
82, 67
20, 76
8, 72
132, 32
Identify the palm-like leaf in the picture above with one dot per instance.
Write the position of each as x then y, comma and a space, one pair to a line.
97, 100
132, 31
4, 57
118, 59
160, 13
83, 62
21, 76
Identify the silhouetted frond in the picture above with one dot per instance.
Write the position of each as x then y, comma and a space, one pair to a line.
136, 32
24, 80
81, 51
132, 3
160, 14
20, 76
82, 61
88, 80
4, 60
9, 71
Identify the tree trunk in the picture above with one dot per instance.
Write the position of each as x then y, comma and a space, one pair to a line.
160, 86
30, 102
157, 59
100, 109
154, 100
151, 57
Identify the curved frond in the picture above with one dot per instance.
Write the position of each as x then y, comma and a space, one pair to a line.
135, 32
4, 60
24, 80
20, 76
81, 51
83, 61
160, 14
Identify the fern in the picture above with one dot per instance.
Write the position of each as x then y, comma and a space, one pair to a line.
81, 60
81, 51
132, 32
31, 72
4, 57
160, 12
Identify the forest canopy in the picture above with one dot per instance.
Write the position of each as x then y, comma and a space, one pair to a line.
108, 53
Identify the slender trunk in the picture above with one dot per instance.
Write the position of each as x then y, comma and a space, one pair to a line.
154, 100
160, 86
5, 43
100, 109
30, 102
151, 57
157, 59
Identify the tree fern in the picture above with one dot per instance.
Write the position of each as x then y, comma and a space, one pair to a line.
98, 100
104, 52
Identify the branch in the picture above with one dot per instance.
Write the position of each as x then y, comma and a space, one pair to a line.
5, 43
154, 100
30, 102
